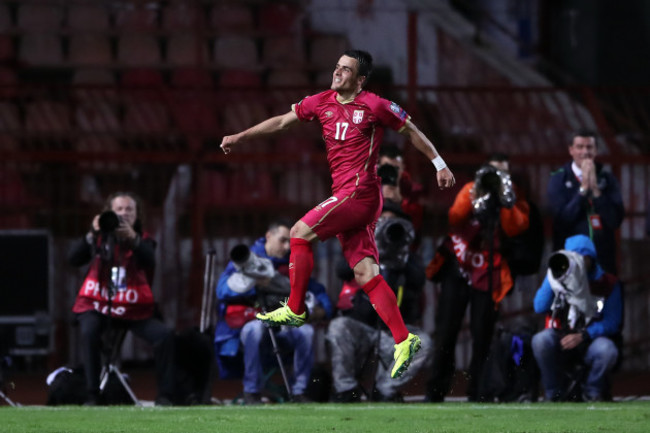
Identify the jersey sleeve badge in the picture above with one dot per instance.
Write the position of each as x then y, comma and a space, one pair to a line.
398, 110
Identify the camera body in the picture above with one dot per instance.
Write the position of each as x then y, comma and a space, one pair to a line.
389, 174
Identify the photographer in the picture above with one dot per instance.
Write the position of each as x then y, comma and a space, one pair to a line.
401, 267
116, 292
401, 188
355, 335
396, 235
246, 287
585, 308
471, 269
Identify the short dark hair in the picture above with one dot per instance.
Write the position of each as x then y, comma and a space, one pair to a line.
280, 222
390, 151
583, 132
365, 61
498, 157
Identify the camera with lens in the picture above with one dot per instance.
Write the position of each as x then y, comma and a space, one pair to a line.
560, 264
253, 268
389, 174
567, 275
489, 180
250, 263
109, 221
493, 189
394, 236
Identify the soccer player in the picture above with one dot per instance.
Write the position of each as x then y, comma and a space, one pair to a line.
353, 123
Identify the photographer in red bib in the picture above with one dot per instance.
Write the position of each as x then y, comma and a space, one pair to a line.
116, 292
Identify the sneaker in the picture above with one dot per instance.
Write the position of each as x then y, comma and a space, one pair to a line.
93, 399
404, 353
350, 396
252, 398
163, 402
382, 398
283, 316
587, 398
301, 398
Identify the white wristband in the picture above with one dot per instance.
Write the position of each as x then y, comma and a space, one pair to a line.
439, 163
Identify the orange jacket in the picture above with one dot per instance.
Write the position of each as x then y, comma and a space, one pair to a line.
512, 222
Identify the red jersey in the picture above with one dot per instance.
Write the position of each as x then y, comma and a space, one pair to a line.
352, 132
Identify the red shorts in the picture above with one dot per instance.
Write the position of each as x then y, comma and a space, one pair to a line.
351, 217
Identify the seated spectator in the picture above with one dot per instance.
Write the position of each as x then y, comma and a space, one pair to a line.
243, 290
585, 308
116, 292
357, 333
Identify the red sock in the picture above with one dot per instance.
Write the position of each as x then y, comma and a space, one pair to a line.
384, 301
301, 263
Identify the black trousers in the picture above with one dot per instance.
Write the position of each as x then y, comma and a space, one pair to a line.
455, 295
92, 326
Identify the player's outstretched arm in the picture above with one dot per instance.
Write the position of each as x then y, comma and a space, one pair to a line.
267, 127
444, 176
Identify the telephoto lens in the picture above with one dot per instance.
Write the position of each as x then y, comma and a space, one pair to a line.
250, 264
109, 221
490, 182
240, 254
389, 174
559, 264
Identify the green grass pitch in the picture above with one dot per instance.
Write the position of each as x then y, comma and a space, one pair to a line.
625, 417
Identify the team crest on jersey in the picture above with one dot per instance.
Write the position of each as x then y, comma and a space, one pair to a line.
398, 110
329, 113
357, 116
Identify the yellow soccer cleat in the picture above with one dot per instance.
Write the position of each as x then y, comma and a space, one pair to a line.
283, 316
404, 353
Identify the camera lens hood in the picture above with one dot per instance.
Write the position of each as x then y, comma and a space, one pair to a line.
240, 254
108, 221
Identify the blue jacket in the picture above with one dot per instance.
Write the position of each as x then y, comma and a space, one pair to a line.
226, 338
611, 316
570, 212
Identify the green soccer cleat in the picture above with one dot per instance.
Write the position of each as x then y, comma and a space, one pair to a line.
282, 316
404, 353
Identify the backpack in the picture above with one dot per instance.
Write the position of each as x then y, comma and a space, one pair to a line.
524, 252
68, 386
510, 373
195, 366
